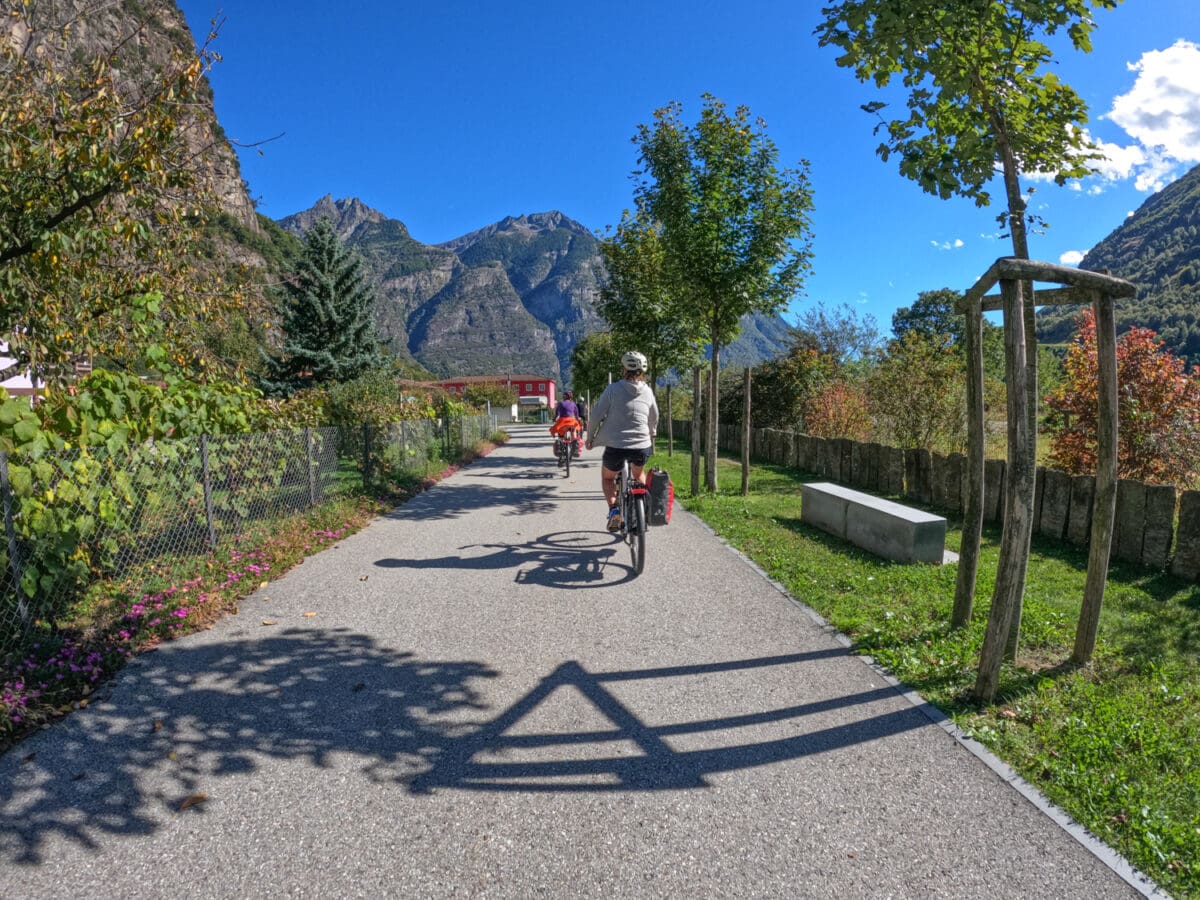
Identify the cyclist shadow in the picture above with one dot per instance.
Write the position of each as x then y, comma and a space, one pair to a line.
565, 559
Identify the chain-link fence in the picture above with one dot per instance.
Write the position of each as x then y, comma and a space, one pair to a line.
71, 520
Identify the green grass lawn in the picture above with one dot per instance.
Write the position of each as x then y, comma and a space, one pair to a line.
1115, 744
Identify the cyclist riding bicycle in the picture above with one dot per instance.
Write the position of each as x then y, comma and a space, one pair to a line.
567, 425
624, 420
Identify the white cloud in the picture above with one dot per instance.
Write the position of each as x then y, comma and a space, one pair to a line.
1071, 258
1163, 107
948, 245
1161, 112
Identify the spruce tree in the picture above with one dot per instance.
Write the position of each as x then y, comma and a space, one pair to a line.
328, 319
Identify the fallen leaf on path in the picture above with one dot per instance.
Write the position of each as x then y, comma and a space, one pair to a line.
193, 800
268, 621
263, 585
157, 725
362, 578
309, 615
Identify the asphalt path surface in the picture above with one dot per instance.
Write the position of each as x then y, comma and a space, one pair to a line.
487, 702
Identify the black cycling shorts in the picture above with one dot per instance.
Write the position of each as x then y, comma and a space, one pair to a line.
614, 456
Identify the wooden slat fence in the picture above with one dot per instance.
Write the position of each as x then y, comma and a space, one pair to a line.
1157, 526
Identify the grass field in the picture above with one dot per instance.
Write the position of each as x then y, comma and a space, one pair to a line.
1116, 744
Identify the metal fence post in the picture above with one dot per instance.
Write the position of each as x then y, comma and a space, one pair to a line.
208, 504
14, 551
310, 466
366, 438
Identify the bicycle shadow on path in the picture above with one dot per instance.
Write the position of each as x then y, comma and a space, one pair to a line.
565, 559
586, 762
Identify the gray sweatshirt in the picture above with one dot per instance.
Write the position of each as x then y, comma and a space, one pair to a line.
625, 416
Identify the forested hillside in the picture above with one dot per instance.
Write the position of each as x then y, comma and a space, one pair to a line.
1157, 248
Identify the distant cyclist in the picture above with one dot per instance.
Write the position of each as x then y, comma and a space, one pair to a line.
566, 407
623, 421
567, 424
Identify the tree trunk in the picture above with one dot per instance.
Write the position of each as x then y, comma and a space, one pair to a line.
697, 404
710, 444
746, 431
1020, 243
1105, 502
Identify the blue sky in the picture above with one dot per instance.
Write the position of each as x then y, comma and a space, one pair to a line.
449, 116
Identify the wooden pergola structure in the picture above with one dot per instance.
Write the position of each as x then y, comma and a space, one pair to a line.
1016, 277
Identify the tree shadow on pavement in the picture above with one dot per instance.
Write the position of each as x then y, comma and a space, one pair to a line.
564, 559
502, 756
187, 725
184, 718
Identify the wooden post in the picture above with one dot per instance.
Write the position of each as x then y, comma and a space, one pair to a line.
670, 425
1105, 502
1018, 502
746, 431
968, 554
697, 393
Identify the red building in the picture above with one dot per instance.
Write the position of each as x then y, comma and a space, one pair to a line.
534, 390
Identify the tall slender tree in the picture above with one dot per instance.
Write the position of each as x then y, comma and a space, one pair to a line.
328, 318
981, 98
735, 227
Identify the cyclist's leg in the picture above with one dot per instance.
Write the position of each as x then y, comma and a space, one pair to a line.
610, 470
608, 484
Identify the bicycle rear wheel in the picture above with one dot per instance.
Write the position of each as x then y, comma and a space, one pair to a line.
637, 532
567, 459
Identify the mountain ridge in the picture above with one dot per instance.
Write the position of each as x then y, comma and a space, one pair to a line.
520, 292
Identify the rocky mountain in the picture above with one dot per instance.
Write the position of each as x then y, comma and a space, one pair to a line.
1158, 249
517, 294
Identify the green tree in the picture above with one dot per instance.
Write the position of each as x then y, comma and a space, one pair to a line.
917, 393
102, 186
981, 97
932, 314
328, 318
936, 313
640, 301
842, 334
735, 227
782, 389
500, 396
593, 360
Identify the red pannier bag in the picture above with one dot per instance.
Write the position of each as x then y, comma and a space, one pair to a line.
662, 497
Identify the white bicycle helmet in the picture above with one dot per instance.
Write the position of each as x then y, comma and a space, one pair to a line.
633, 361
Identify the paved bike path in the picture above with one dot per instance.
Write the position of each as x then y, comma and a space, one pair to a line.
487, 703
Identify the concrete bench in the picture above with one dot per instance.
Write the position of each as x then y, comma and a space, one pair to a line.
884, 528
